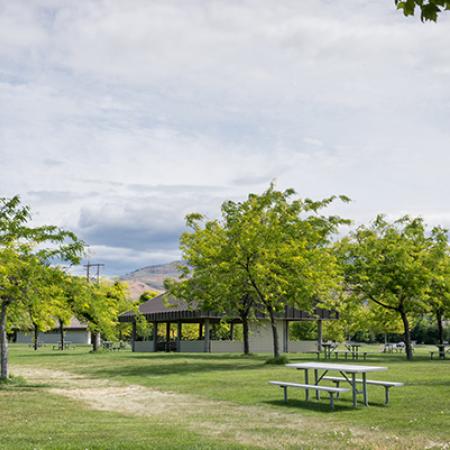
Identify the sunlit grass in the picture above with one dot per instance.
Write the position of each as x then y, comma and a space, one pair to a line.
419, 409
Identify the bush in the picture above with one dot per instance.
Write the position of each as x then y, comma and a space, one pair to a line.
425, 332
303, 331
13, 381
279, 360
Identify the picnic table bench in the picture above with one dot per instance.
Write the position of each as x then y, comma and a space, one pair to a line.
441, 351
386, 384
330, 390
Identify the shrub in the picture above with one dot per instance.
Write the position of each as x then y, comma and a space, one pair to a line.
279, 360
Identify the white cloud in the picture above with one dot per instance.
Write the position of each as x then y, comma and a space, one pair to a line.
118, 113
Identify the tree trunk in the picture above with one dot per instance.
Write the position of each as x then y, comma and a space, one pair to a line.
440, 327
96, 340
3, 343
407, 336
245, 334
244, 311
35, 337
276, 350
61, 334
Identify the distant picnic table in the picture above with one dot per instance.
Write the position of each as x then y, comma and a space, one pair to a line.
67, 345
111, 346
351, 349
441, 351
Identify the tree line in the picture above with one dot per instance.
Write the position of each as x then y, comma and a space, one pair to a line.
276, 250
37, 293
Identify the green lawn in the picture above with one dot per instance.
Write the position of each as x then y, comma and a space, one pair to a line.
239, 409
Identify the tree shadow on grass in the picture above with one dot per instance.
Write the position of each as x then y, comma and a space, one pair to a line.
21, 384
201, 356
26, 387
316, 406
181, 368
47, 355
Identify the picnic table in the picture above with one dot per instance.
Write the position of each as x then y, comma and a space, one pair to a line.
110, 345
441, 351
391, 347
328, 348
107, 345
67, 345
348, 374
353, 348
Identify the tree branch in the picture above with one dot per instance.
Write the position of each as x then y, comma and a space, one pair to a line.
371, 297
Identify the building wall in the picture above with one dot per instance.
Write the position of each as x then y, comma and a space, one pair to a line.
227, 346
191, 346
260, 341
143, 346
52, 337
260, 336
302, 346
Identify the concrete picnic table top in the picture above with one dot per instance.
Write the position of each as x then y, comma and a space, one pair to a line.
349, 368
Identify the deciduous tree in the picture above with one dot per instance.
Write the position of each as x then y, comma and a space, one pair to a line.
386, 263
439, 265
25, 251
271, 249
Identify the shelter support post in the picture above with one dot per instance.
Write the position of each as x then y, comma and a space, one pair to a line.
155, 336
167, 335
179, 334
133, 335
319, 335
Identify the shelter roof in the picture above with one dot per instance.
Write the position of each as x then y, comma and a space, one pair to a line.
165, 307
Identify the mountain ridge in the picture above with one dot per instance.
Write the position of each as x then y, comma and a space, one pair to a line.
150, 278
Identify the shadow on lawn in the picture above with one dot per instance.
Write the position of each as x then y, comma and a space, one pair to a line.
201, 356
25, 387
311, 405
185, 367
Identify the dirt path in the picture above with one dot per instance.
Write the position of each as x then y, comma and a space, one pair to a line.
248, 425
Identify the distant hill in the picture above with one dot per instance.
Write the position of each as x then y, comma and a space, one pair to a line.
150, 278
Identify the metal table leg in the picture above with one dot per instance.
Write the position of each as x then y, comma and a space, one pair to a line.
364, 386
306, 382
354, 391
316, 382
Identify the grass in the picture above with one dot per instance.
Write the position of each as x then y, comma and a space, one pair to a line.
418, 415
31, 420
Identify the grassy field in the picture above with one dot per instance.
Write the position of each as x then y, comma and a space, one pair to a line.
76, 399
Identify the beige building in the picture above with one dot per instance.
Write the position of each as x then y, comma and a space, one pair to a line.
168, 310
76, 333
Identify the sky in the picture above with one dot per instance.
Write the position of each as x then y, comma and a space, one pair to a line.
118, 118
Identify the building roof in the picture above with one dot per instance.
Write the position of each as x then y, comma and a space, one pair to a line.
76, 324
165, 307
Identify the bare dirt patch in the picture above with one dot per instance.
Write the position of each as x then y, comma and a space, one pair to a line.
249, 425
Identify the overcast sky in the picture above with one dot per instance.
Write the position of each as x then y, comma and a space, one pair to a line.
119, 117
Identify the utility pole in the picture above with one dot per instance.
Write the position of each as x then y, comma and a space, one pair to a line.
96, 336
88, 271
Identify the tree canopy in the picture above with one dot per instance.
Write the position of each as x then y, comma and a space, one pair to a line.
26, 254
387, 264
272, 249
429, 9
